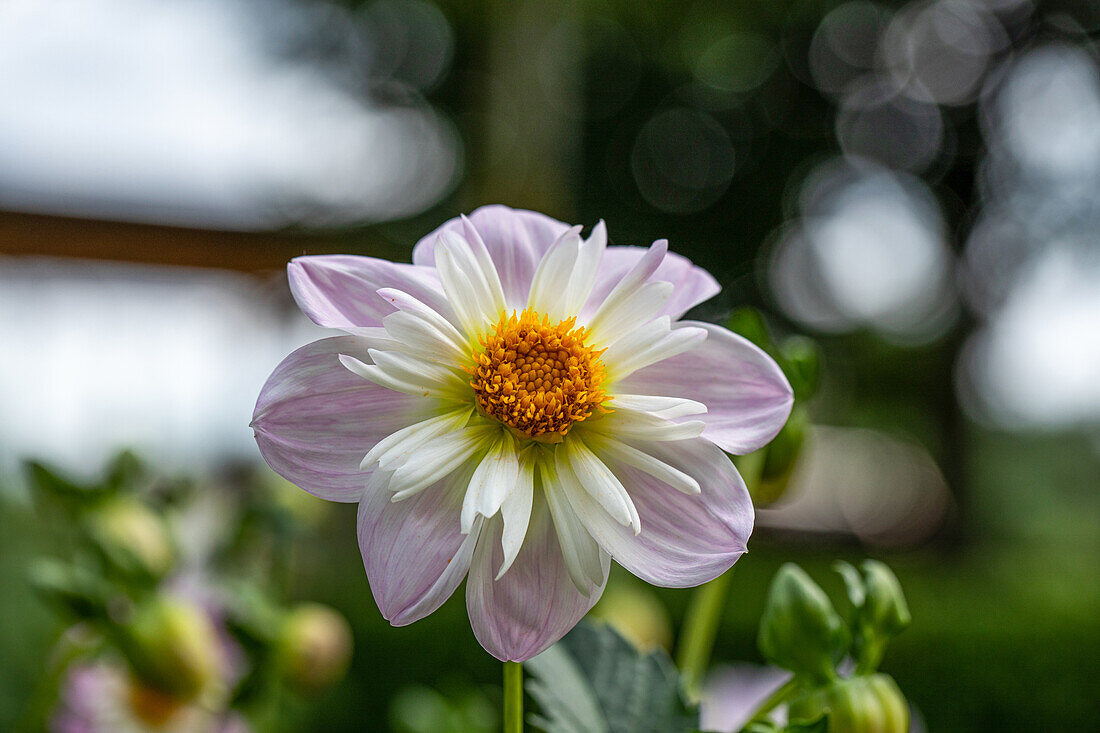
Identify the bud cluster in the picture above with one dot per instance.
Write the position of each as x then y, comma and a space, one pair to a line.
801, 631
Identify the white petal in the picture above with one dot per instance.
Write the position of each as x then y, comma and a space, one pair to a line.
485, 262
516, 513
577, 463
585, 270
668, 408
647, 346
475, 301
374, 337
405, 303
383, 378
414, 335
437, 458
491, 483
398, 447
553, 275
618, 451
632, 280
583, 557
417, 370
624, 424
617, 320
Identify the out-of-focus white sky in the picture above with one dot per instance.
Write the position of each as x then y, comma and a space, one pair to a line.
181, 112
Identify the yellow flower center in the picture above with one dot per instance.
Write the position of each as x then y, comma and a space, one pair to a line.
536, 376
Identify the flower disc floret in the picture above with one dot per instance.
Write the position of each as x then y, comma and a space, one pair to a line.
537, 376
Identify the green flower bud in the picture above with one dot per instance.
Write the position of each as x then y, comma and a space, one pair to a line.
800, 358
636, 613
780, 457
133, 538
885, 608
172, 646
861, 704
878, 610
800, 630
314, 647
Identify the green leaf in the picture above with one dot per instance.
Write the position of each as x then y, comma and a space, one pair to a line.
595, 681
49, 484
124, 471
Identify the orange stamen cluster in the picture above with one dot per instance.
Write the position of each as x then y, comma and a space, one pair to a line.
536, 376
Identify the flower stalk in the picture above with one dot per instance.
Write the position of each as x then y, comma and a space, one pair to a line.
776, 699
700, 629
513, 697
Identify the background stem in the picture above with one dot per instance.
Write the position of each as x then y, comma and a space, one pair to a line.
513, 697
699, 630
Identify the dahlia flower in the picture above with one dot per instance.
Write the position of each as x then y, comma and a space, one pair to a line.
520, 406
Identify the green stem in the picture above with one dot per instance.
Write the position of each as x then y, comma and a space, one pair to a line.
513, 697
700, 629
777, 698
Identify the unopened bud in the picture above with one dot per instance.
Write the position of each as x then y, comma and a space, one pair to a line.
879, 611
314, 647
800, 358
780, 457
133, 537
172, 646
886, 606
800, 630
861, 704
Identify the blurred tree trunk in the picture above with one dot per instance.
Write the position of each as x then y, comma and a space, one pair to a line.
530, 146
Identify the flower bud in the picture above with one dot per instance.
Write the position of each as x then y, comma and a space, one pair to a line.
314, 647
780, 457
800, 630
886, 609
879, 611
133, 537
861, 704
800, 358
637, 614
172, 646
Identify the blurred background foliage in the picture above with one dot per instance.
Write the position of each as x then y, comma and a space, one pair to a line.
913, 184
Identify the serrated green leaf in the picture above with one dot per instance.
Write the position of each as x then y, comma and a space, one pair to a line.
594, 680
563, 693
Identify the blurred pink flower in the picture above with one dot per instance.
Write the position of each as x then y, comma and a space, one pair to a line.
529, 407
101, 697
733, 693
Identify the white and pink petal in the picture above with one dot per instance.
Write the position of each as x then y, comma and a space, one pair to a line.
515, 239
748, 398
686, 539
414, 551
341, 291
314, 420
535, 603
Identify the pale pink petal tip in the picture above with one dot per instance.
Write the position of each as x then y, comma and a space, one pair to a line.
535, 603
309, 419
748, 397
